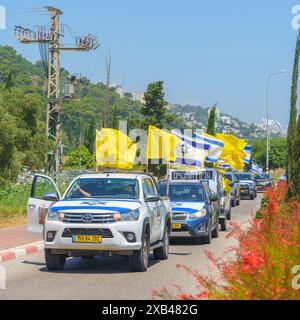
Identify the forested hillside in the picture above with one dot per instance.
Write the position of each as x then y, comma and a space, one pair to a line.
23, 106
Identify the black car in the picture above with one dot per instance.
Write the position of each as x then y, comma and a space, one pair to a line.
248, 185
263, 181
235, 189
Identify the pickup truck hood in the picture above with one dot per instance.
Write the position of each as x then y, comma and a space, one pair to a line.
188, 207
96, 205
243, 182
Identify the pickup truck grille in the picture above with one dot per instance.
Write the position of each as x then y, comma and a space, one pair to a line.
69, 233
89, 218
179, 216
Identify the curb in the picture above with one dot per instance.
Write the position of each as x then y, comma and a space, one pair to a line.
17, 252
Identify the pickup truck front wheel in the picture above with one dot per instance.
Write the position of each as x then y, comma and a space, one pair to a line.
162, 253
139, 261
54, 262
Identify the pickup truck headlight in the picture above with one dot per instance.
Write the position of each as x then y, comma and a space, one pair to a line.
128, 216
199, 214
55, 216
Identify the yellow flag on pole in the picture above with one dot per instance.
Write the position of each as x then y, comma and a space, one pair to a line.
227, 185
161, 144
233, 152
114, 149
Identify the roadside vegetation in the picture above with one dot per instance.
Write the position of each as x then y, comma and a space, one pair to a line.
265, 264
13, 204
262, 266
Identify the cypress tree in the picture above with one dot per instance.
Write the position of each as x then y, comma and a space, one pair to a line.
211, 121
211, 128
291, 169
296, 158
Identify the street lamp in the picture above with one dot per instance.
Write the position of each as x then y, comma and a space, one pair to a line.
268, 131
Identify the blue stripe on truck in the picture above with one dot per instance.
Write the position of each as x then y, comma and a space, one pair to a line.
115, 209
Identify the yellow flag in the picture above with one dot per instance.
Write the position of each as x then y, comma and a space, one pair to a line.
233, 151
161, 144
114, 149
227, 185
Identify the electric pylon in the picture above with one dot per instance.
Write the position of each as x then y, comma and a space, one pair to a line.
52, 37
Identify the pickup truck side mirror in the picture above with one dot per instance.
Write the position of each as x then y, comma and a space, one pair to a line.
51, 196
152, 198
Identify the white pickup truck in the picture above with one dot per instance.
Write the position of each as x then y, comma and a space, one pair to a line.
101, 214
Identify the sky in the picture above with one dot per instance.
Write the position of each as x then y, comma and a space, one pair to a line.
206, 51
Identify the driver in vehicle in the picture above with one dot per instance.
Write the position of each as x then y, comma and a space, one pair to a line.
84, 193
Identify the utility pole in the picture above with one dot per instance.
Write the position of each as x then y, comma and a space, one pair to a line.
107, 60
52, 38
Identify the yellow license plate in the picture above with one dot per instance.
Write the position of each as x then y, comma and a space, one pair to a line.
176, 226
87, 239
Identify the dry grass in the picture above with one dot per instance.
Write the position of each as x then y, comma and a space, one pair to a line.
278, 173
13, 222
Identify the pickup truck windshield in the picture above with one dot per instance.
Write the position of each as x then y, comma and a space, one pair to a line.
104, 188
183, 192
262, 177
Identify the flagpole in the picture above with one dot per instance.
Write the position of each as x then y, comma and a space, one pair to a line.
168, 179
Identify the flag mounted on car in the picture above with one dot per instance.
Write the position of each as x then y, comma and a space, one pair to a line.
114, 149
192, 150
256, 168
214, 145
247, 150
233, 152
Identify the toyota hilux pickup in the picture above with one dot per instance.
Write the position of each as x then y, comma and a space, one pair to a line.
101, 214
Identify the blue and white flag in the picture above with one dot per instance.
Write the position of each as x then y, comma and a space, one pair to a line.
225, 166
247, 150
256, 168
192, 151
215, 146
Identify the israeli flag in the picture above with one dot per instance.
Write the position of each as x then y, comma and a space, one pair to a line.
192, 151
215, 147
247, 150
225, 166
256, 168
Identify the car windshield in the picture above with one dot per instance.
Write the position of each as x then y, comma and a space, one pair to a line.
244, 176
228, 176
262, 176
183, 192
104, 188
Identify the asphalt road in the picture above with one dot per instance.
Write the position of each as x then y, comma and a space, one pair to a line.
109, 278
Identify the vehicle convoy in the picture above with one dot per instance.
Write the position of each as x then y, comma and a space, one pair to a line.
214, 180
194, 208
101, 214
235, 189
248, 185
263, 181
